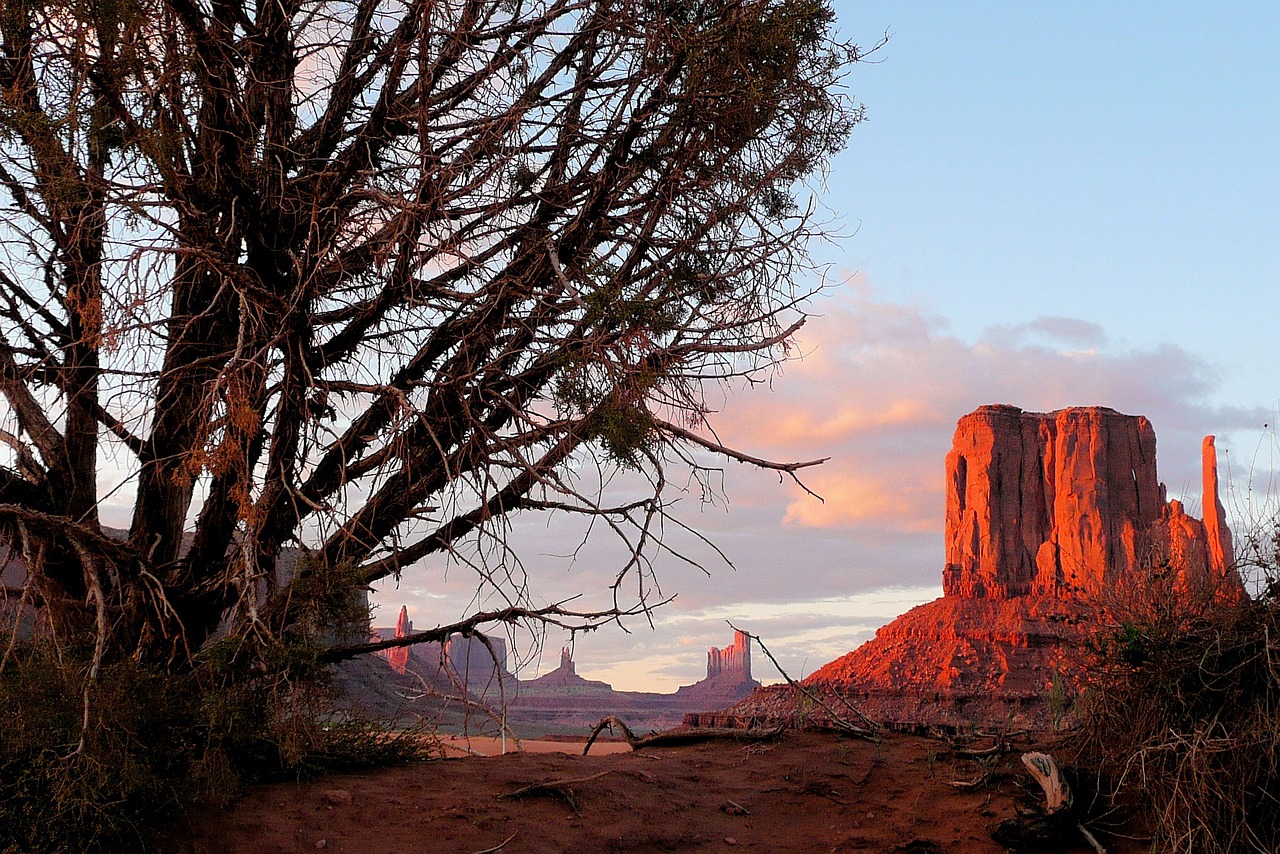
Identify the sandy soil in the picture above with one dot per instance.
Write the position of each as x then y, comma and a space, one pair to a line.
805, 792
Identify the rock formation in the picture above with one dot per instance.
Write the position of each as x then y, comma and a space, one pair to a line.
477, 666
398, 657
1218, 535
557, 702
734, 659
563, 700
1051, 518
1068, 504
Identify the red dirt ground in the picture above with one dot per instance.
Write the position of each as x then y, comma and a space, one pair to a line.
804, 792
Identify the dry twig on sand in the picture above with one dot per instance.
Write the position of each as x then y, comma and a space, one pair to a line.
562, 789
500, 845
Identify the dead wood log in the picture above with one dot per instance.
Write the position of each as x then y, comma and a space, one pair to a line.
1057, 794
1056, 821
679, 735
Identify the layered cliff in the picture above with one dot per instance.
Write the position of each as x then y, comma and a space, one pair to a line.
1068, 504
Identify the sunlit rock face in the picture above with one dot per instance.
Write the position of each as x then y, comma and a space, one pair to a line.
398, 657
1069, 503
1047, 503
1052, 519
734, 659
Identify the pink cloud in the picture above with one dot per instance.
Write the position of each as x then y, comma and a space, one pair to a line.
882, 499
881, 386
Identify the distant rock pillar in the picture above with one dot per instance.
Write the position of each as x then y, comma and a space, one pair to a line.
735, 658
566, 660
398, 657
742, 642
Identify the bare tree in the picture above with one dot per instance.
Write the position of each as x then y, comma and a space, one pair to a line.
362, 278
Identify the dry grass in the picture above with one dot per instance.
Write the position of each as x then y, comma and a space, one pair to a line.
1183, 714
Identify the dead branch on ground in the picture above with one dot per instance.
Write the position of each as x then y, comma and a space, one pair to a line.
680, 735
839, 723
562, 789
500, 845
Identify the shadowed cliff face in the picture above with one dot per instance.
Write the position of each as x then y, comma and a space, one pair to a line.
1051, 518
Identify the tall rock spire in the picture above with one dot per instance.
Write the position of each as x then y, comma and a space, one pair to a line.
398, 657
1221, 551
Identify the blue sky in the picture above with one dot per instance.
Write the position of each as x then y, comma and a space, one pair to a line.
1049, 205
1112, 162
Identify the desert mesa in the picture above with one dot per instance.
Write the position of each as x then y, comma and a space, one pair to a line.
1055, 523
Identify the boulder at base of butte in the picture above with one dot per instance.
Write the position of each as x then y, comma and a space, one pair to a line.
1052, 521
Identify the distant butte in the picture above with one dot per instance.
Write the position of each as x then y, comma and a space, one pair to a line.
1051, 517
557, 702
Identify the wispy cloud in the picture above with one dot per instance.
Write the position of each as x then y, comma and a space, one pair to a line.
883, 384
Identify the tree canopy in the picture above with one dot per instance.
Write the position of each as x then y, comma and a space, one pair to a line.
360, 280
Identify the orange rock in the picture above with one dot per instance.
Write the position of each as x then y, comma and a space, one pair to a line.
1222, 556
1047, 504
1051, 518
398, 657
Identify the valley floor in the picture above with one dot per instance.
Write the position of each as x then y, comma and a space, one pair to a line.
804, 792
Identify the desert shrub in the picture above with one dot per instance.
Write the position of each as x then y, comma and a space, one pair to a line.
101, 775
68, 786
1182, 713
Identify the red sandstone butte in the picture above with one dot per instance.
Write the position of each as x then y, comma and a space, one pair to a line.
1068, 504
735, 659
398, 656
1048, 516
